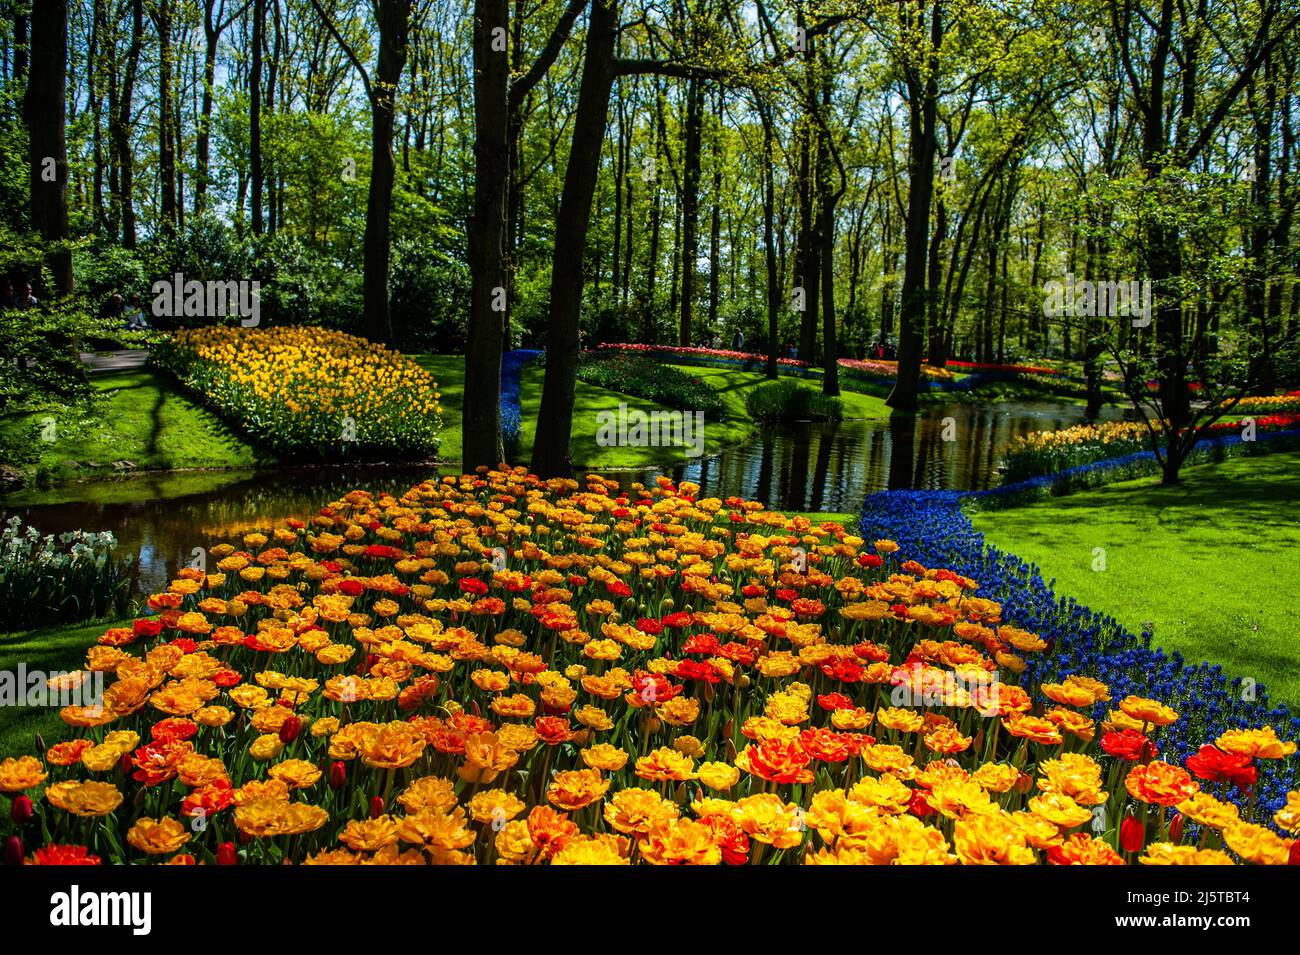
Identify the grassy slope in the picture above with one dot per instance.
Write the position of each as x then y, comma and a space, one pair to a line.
735, 385
61, 648
135, 416
143, 418
449, 372
1210, 564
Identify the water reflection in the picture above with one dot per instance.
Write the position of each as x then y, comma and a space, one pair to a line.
831, 466
161, 522
806, 467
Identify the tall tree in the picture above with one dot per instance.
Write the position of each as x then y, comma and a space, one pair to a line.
393, 18
555, 416
921, 81
482, 444
45, 112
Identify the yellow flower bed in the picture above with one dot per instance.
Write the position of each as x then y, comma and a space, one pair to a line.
493, 669
315, 390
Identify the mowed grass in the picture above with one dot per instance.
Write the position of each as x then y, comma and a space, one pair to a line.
1209, 565
589, 402
141, 420
50, 650
137, 420
734, 386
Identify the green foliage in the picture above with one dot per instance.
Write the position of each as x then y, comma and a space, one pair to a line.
646, 378
41, 350
788, 400
429, 289
47, 580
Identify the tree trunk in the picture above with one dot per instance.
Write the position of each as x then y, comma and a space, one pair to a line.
481, 417
690, 206
935, 273
255, 174
715, 222
45, 112
98, 28
120, 130
21, 41
769, 247
166, 142
555, 417
807, 256
394, 25
922, 108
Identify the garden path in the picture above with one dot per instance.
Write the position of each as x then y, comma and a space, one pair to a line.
124, 359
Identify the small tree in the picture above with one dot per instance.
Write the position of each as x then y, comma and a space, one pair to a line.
1217, 361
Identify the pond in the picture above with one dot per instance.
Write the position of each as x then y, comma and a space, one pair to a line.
807, 467
831, 466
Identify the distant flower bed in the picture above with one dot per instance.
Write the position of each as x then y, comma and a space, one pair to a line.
880, 368
598, 678
994, 366
1268, 404
47, 580
642, 376
1042, 453
676, 351
310, 391
875, 370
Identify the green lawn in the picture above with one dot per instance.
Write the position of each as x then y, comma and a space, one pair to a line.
590, 400
137, 420
1210, 565
735, 385
49, 650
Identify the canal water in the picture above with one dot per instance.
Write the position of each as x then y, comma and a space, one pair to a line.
807, 466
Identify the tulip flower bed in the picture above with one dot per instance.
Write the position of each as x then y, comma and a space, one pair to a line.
1268, 404
311, 392
496, 669
1041, 453
931, 526
875, 372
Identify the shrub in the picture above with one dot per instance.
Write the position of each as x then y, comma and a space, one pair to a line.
46, 580
646, 378
788, 400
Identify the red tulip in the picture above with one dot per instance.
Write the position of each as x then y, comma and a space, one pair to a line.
125, 764
338, 774
290, 729
919, 806
1176, 827
376, 807
22, 809
13, 851
1132, 834
1293, 858
226, 854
